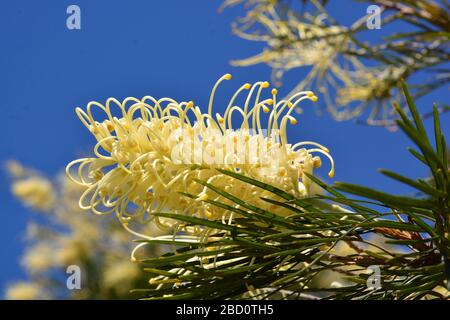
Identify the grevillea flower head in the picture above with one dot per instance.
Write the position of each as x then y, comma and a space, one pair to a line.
152, 151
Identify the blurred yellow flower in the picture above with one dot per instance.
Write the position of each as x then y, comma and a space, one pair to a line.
24, 291
39, 258
370, 85
35, 191
15, 169
71, 250
70, 236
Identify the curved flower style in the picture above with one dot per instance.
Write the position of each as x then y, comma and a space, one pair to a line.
155, 150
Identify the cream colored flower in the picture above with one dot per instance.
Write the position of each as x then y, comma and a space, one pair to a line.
35, 191
294, 42
442, 291
148, 151
39, 258
24, 291
311, 38
367, 86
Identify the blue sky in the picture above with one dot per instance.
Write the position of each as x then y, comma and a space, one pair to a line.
137, 48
